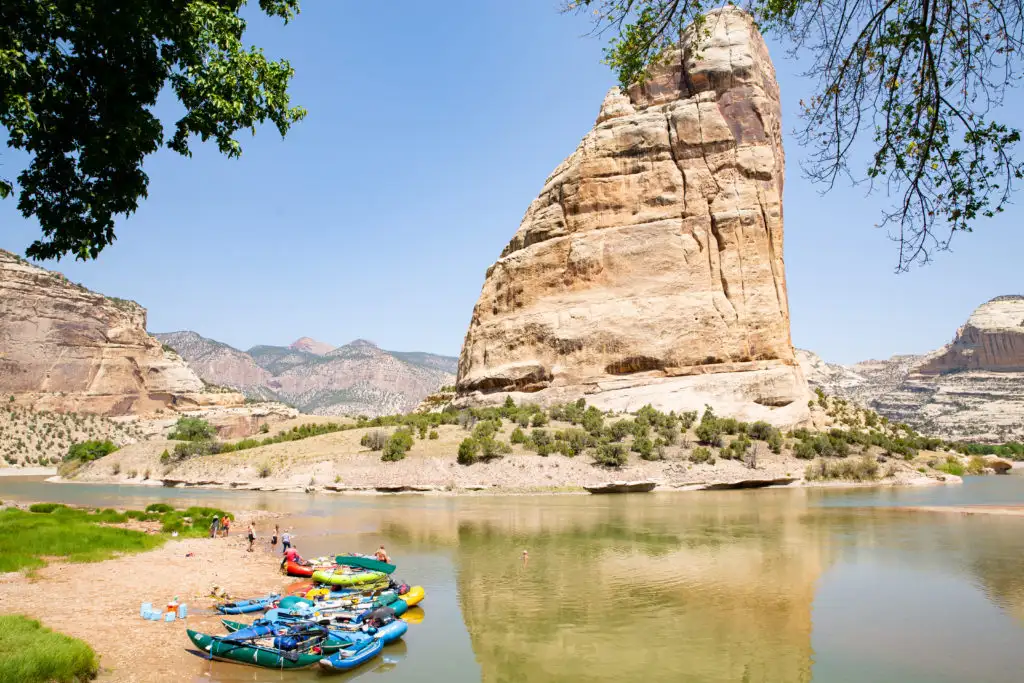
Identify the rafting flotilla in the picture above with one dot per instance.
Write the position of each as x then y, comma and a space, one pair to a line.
344, 617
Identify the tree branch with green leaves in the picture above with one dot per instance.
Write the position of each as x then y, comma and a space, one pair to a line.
919, 82
78, 83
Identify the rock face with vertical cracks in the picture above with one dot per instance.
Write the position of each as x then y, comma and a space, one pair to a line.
67, 349
650, 268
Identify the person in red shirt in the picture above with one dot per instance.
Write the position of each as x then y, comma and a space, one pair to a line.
292, 555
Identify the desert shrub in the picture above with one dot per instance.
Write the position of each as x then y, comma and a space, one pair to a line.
116, 469
737, 449
491, 448
686, 419
374, 440
433, 435
641, 429
644, 446
539, 420
191, 449
573, 442
619, 430
165, 457
976, 465
864, 468
397, 445
264, 428
610, 455
469, 450
701, 455
593, 420
517, 436
87, 451
709, 432
486, 429
264, 471
668, 433
192, 429
804, 450
762, 431
541, 442
159, 508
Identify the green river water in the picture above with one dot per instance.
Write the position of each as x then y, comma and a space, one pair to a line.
774, 586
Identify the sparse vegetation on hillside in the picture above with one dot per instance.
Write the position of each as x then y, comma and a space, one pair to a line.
42, 438
853, 438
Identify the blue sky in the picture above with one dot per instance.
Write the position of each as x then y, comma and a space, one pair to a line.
431, 127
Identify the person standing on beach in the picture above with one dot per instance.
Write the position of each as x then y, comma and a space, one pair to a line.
286, 541
215, 527
252, 536
273, 539
226, 526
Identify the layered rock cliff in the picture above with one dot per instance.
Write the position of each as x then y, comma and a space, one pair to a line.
971, 389
650, 268
992, 340
65, 348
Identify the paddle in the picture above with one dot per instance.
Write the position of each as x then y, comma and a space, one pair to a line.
365, 563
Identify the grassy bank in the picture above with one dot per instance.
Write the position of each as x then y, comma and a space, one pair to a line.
52, 530
31, 653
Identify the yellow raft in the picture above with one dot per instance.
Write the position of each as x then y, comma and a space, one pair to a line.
414, 596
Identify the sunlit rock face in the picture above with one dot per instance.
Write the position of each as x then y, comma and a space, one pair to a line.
65, 348
650, 268
969, 389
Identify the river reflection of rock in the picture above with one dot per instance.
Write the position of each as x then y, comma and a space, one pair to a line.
712, 588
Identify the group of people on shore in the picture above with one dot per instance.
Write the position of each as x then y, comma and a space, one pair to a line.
221, 527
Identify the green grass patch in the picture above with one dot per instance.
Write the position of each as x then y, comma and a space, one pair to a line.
53, 530
32, 653
952, 465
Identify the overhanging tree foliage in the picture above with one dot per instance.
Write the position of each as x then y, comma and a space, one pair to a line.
923, 79
78, 81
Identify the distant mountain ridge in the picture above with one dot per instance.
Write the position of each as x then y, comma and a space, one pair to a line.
358, 378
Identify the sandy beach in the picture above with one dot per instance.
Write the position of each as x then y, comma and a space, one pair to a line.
99, 603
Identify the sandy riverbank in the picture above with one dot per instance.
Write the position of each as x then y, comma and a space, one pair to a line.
99, 602
999, 510
27, 471
335, 463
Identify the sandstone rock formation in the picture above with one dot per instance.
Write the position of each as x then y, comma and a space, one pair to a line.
65, 348
992, 340
358, 378
650, 268
971, 389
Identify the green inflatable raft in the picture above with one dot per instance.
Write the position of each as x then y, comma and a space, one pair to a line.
337, 577
253, 654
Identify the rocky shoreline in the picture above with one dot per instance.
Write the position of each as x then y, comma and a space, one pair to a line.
512, 475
